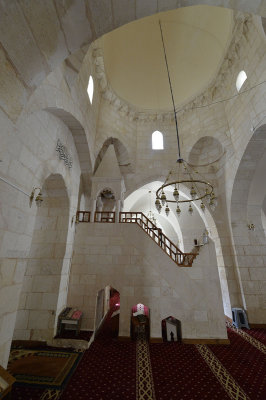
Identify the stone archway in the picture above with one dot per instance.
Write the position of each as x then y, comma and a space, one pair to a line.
124, 162
40, 299
79, 137
207, 156
107, 309
247, 204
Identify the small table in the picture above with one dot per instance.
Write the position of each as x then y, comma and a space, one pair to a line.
70, 316
6, 382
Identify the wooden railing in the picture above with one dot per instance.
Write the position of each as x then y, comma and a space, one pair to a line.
83, 216
104, 216
180, 258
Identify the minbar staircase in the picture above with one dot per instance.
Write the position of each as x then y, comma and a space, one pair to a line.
180, 258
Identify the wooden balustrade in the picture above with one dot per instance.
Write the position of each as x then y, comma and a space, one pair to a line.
180, 258
83, 216
104, 216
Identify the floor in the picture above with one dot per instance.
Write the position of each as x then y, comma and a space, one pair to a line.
114, 370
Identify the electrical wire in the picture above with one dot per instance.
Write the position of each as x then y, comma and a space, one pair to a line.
222, 100
14, 186
171, 90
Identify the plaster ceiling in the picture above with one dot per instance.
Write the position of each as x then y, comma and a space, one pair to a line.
196, 39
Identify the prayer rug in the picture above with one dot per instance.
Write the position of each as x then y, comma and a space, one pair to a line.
42, 368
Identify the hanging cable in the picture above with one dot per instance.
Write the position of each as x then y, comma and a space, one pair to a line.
171, 89
14, 186
222, 100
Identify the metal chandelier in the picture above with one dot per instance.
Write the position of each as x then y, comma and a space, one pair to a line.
183, 173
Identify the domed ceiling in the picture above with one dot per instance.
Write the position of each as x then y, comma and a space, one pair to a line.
196, 39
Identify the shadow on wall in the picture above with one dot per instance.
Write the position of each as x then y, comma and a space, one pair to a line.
40, 292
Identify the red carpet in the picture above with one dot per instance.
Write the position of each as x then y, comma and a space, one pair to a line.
245, 363
107, 370
179, 372
259, 334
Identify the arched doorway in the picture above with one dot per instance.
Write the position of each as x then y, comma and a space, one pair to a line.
40, 296
107, 312
105, 206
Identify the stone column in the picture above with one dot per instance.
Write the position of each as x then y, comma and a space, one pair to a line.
93, 209
117, 210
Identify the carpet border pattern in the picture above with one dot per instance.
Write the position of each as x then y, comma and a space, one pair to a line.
51, 394
256, 343
51, 384
234, 391
144, 383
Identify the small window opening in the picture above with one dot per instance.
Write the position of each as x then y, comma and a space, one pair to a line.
157, 141
240, 80
90, 89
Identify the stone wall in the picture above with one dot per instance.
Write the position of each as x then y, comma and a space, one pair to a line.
29, 156
28, 142
124, 257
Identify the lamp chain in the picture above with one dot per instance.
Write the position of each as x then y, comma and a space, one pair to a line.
171, 89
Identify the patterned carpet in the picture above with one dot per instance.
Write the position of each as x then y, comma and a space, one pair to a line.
259, 334
41, 373
107, 370
245, 360
113, 370
143, 371
179, 372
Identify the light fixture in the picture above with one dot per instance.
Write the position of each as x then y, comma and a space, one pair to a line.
205, 237
38, 199
251, 227
150, 214
202, 206
183, 173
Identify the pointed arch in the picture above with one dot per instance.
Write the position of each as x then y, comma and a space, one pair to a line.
121, 152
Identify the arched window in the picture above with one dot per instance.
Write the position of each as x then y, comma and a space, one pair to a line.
241, 77
157, 141
90, 89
